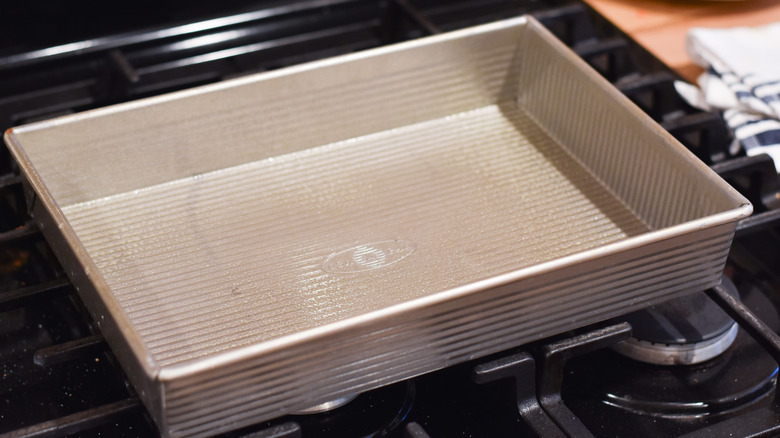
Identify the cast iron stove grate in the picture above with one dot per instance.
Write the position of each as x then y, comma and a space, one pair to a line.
60, 379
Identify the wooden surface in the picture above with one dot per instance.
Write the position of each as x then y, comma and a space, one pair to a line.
661, 26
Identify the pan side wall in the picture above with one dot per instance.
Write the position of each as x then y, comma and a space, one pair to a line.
644, 165
401, 346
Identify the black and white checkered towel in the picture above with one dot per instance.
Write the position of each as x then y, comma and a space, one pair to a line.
742, 80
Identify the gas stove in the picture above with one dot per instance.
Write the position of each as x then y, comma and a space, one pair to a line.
701, 365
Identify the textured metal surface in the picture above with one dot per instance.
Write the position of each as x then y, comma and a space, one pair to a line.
475, 194
267, 244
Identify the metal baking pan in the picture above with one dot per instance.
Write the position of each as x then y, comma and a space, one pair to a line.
263, 245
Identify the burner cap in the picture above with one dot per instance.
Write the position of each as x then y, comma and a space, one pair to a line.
682, 331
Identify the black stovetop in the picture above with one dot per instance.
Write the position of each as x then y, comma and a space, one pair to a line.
60, 379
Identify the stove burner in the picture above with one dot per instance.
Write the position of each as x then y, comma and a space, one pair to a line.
660, 399
327, 406
683, 331
697, 391
389, 408
677, 354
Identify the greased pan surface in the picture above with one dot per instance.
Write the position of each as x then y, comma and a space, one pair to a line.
261, 245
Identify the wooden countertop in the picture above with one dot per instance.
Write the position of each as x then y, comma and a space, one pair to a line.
661, 26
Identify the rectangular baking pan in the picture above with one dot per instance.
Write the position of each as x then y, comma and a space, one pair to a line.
259, 246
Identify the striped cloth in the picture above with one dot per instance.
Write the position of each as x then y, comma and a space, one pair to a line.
742, 79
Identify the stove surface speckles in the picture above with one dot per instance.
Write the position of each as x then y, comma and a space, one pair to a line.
236, 255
